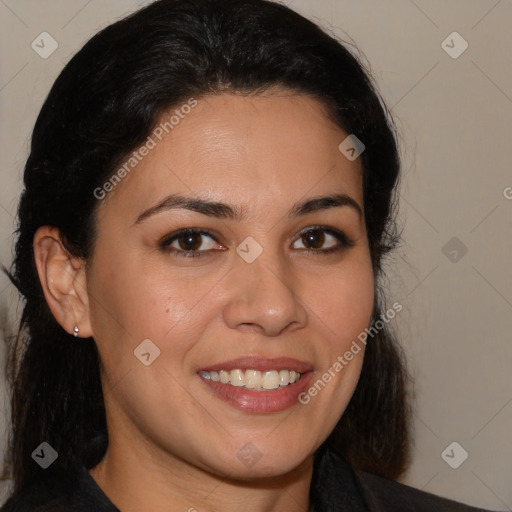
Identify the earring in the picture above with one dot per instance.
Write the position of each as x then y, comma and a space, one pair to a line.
75, 331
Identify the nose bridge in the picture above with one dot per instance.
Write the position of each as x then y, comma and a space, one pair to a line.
263, 292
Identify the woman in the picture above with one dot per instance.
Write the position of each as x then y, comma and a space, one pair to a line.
208, 200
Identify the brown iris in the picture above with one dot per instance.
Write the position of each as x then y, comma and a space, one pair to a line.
190, 241
314, 238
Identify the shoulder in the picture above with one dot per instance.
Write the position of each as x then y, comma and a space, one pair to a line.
384, 494
336, 482
60, 490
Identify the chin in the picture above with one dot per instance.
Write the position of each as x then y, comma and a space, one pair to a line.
250, 463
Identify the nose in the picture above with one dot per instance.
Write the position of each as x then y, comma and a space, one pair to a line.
263, 295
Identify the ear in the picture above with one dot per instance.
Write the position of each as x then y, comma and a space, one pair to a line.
63, 280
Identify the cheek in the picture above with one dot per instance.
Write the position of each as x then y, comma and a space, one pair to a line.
131, 295
343, 305
132, 301
344, 300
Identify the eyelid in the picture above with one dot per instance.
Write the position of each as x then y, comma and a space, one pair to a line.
328, 229
167, 239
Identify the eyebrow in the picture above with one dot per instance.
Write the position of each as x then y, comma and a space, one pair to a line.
231, 212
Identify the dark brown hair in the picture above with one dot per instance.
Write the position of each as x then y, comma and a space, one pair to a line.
103, 105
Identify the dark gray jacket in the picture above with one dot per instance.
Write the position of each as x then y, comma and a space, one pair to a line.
335, 487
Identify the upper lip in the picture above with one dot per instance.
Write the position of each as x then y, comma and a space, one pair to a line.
261, 363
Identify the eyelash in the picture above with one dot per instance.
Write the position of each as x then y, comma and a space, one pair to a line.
344, 242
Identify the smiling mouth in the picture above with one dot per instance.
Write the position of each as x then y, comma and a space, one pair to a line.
254, 380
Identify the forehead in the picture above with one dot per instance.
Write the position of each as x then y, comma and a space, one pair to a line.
263, 150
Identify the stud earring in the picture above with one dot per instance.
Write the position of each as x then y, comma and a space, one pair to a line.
75, 331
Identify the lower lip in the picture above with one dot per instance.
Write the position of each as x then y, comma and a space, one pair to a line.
260, 401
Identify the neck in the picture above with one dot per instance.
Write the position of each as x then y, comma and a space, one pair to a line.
142, 480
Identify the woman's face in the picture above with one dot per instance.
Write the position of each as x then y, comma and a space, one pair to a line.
272, 287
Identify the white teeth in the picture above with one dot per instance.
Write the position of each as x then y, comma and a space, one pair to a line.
254, 379
237, 378
271, 380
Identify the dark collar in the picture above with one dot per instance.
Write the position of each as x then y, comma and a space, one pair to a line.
334, 486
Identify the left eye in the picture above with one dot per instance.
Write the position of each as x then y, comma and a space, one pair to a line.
316, 238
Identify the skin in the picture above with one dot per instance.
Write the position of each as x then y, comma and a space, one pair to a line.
173, 444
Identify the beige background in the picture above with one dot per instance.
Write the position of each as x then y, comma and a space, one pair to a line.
455, 119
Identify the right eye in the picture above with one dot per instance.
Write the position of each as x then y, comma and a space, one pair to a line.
187, 243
